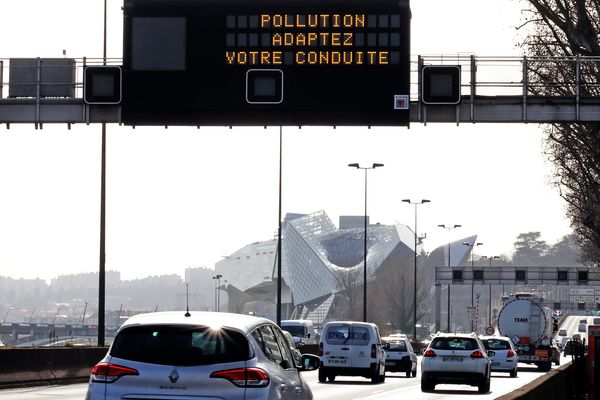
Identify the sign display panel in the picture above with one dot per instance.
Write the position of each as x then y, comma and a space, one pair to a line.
266, 62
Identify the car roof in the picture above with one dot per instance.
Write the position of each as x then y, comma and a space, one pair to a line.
357, 323
242, 322
495, 337
450, 334
394, 338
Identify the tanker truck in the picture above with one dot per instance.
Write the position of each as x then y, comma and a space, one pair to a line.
524, 319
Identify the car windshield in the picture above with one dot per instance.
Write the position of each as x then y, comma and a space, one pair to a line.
454, 343
297, 331
396, 346
496, 344
180, 345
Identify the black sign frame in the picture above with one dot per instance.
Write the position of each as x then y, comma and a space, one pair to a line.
360, 75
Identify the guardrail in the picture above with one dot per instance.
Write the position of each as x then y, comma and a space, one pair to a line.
37, 366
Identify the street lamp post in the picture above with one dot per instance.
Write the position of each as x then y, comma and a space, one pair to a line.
217, 279
472, 275
416, 203
449, 243
490, 258
357, 166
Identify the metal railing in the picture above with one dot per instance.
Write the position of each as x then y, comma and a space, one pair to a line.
516, 76
44, 78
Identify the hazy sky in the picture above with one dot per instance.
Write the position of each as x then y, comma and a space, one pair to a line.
184, 197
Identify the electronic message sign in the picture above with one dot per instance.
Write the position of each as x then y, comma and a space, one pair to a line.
266, 62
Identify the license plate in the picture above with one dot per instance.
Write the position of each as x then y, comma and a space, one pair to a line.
453, 359
390, 363
337, 361
495, 364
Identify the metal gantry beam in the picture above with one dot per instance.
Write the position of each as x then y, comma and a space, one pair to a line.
517, 275
493, 90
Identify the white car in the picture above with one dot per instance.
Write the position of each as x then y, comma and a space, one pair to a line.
351, 348
176, 355
399, 355
457, 358
501, 351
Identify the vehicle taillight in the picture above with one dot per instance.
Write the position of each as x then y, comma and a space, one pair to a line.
373, 351
108, 373
244, 377
320, 349
510, 353
477, 354
429, 353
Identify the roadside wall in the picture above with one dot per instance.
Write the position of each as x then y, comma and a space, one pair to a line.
26, 367
563, 383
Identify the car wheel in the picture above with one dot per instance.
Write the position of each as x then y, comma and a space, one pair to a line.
414, 373
485, 386
513, 373
375, 375
382, 377
331, 378
322, 375
408, 374
426, 387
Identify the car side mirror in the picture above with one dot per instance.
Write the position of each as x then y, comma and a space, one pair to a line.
309, 362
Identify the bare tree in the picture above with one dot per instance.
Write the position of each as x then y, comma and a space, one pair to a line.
350, 286
570, 28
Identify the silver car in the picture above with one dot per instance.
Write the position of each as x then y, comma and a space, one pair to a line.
170, 355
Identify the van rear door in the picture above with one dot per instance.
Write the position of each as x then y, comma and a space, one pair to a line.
362, 347
337, 349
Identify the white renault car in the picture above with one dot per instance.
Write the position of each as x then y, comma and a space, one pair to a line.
177, 355
351, 348
455, 358
502, 352
399, 355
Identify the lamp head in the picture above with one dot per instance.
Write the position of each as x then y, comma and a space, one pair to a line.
354, 165
375, 165
406, 201
425, 201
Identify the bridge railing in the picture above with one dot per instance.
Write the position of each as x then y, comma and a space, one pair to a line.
576, 77
45, 78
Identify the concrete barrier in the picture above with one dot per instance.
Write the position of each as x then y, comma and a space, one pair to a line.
35, 366
565, 382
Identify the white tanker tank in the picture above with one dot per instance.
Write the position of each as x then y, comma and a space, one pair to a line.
529, 325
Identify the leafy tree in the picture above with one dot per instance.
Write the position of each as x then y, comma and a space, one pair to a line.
529, 249
570, 28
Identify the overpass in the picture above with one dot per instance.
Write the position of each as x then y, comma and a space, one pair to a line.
492, 89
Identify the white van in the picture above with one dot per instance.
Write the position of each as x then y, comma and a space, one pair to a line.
352, 349
301, 330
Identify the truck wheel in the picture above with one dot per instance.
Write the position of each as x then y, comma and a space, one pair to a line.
408, 374
545, 366
331, 378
